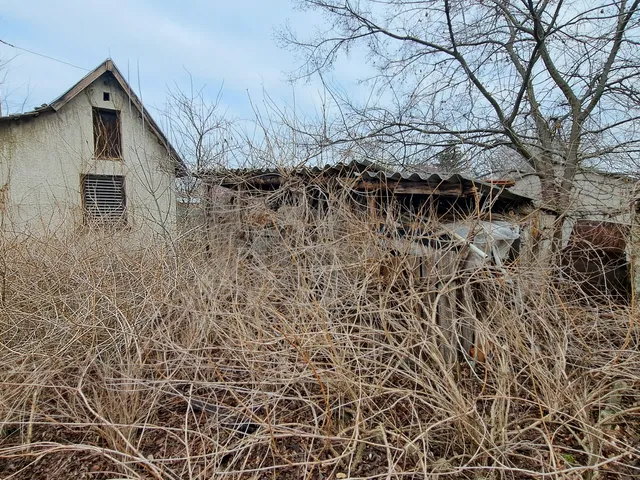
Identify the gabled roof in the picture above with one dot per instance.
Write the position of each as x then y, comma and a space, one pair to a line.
88, 79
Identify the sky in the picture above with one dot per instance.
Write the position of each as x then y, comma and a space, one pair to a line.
158, 44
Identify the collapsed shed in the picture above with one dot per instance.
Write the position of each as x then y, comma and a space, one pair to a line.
373, 184
396, 202
440, 234
437, 229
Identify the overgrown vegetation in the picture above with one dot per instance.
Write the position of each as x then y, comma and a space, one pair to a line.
302, 362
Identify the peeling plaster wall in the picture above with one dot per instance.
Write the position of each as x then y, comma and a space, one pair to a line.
595, 196
42, 160
599, 197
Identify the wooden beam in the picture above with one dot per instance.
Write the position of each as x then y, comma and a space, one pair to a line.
252, 182
423, 188
266, 180
412, 188
368, 185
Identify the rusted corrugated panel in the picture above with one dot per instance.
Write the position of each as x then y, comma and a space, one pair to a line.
606, 236
596, 260
369, 173
440, 180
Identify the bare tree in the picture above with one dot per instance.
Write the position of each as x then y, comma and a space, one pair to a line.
201, 133
12, 99
198, 127
3, 77
555, 81
451, 160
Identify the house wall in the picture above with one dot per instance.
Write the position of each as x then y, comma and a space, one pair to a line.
595, 196
42, 160
599, 197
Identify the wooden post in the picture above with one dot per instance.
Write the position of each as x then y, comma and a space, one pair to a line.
447, 306
208, 215
371, 202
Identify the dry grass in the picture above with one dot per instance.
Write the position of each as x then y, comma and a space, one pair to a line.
304, 363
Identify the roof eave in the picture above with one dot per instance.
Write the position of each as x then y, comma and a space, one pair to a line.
31, 114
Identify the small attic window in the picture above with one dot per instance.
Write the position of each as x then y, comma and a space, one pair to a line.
107, 139
106, 96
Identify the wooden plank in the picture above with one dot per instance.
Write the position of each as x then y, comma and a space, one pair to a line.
423, 188
447, 306
468, 318
271, 180
373, 211
446, 323
239, 181
367, 185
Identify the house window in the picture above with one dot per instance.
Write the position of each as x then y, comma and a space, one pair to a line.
106, 96
104, 200
106, 134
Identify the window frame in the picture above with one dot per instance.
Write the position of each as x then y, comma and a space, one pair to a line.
103, 155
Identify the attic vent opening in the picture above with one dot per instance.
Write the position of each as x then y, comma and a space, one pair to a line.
106, 96
106, 134
104, 201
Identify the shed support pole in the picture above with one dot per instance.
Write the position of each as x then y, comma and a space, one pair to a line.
371, 202
208, 216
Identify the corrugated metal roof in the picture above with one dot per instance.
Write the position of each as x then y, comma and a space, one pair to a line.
438, 179
340, 167
367, 171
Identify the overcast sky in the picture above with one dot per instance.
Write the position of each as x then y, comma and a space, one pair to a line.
215, 40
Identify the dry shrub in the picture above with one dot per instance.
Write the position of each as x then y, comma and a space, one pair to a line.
299, 359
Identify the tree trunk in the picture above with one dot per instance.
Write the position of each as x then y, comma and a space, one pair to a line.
551, 201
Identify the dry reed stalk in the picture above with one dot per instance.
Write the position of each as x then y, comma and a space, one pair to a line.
303, 360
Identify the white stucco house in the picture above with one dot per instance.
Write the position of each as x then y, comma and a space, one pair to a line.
92, 158
595, 195
601, 229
